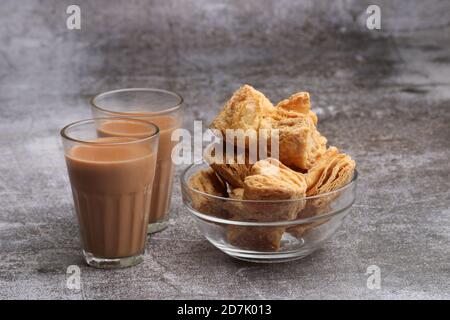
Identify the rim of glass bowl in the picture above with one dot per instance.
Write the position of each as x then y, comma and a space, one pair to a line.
136, 114
266, 224
67, 136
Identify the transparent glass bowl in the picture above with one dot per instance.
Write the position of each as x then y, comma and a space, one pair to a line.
265, 230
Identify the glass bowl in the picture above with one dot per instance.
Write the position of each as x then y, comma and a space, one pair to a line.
267, 230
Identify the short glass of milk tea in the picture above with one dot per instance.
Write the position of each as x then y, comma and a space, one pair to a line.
112, 177
164, 109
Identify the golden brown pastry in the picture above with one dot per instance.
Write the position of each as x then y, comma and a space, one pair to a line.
235, 208
300, 143
231, 171
236, 193
255, 238
332, 171
245, 110
311, 209
208, 182
272, 180
250, 238
269, 180
298, 103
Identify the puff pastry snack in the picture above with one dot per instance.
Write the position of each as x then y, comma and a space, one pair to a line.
208, 182
230, 170
298, 103
269, 180
249, 237
330, 172
272, 180
300, 143
246, 109
255, 238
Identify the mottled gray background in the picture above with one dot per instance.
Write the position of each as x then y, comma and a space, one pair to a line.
382, 95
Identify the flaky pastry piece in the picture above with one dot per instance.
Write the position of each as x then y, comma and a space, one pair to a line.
233, 172
298, 103
245, 110
208, 182
235, 208
332, 171
269, 180
300, 143
272, 180
311, 209
250, 238
255, 238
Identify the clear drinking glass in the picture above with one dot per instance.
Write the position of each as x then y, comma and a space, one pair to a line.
162, 108
111, 179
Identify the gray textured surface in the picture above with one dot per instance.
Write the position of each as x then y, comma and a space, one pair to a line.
383, 96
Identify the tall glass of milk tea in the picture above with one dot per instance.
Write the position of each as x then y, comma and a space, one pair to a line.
164, 109
112, 181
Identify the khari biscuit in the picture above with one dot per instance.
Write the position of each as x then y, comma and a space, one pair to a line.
245, 110
298, 103
208, 182
236, 208
312, 208
269, 180
255, 238
272, 180
230, 170
300, 143
249, 237
332, 171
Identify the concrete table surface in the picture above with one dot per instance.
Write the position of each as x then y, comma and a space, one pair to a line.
383, 96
